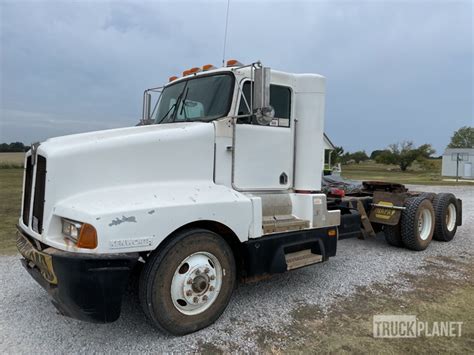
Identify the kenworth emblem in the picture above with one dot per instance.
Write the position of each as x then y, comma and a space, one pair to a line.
34, 152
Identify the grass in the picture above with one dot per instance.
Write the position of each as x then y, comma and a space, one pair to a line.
435, 296
10, 204
11, 177
417, 175
12, 160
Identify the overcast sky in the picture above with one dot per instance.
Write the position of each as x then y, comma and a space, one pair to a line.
396, 70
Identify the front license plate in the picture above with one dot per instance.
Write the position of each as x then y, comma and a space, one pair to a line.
42, 261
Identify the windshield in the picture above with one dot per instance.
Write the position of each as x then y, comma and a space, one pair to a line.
197, 99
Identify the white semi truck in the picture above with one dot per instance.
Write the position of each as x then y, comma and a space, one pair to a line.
220, 184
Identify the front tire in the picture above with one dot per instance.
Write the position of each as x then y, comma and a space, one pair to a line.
187, 285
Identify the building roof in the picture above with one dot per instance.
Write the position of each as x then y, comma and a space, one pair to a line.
450, 151
327, 143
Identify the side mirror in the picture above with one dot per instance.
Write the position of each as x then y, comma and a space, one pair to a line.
262, 110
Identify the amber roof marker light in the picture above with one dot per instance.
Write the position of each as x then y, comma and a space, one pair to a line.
194, 70
207, 67
233, 63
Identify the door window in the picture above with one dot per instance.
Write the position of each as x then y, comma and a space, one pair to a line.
280, 100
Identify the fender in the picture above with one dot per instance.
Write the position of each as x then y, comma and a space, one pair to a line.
136, 218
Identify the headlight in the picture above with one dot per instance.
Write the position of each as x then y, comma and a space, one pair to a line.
83, 234
71, 229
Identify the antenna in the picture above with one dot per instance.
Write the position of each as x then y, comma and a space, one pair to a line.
225, 32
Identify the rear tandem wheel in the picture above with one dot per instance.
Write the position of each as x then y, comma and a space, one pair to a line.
417, 223
446, 214
393, 235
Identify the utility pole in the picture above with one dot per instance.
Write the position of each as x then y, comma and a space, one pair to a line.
457, 167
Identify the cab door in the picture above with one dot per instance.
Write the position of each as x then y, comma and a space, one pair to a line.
263, 155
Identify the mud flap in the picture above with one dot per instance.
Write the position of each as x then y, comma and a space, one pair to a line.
459, 213
387, 208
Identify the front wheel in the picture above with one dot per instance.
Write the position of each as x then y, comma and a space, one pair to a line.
187, 285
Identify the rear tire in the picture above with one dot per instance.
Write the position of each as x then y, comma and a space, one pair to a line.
429, 195
187, 285
393, 235
417, 223
445, 208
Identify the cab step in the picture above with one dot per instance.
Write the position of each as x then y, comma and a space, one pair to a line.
301, 258
283, 223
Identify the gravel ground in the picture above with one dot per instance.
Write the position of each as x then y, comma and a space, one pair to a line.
29, 322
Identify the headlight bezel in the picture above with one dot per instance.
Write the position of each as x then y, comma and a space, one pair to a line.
84, 235
71, 229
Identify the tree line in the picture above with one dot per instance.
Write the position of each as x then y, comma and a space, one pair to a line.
404, 154
14, 147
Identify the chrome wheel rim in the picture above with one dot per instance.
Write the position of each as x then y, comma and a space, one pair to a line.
451, 217
196, 283
425, 222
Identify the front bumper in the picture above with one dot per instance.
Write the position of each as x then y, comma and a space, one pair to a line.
88, 287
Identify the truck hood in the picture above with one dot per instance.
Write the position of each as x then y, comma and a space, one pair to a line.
84, 139
100, 160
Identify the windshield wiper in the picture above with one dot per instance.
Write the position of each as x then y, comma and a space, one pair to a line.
184, 104
178, 101
174, 108
167, 113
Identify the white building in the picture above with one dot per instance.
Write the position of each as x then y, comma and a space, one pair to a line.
460, 160
328, 145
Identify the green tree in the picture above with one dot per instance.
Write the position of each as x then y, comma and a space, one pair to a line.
17, 147
358, 156
12, 147
463, 138
404, 154
376, 153
337, 154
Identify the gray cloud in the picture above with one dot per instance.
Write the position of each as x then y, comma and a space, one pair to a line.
396, 70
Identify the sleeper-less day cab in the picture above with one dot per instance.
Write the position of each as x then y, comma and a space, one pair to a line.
220, 183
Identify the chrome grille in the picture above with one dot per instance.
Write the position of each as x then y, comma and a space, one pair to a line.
27, 191
35, 169
38, 201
